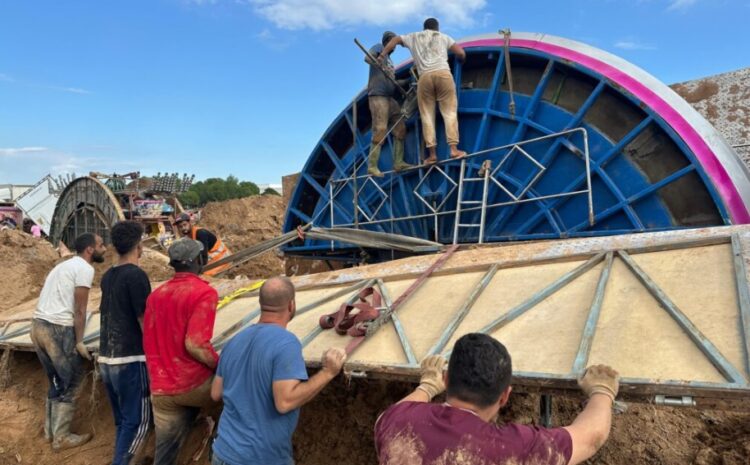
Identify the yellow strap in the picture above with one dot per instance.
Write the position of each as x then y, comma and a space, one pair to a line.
241, 291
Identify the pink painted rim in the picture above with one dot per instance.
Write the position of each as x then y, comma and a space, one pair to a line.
737, 209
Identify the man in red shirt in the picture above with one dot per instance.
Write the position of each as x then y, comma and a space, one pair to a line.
462, 429
178, 325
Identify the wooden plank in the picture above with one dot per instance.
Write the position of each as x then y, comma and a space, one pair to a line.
743, 295
456, 321
437, 264
589, 330
541, 295
704, 344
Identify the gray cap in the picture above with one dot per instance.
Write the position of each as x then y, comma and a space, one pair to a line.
184, 250
181, 218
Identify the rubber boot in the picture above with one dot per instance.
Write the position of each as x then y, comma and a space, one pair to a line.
48, 420
62, 417
398, 156
372, 162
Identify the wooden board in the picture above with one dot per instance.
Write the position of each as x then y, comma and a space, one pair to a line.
634, 333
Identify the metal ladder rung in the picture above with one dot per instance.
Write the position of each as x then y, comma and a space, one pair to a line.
471, 202
474, 179
470, 225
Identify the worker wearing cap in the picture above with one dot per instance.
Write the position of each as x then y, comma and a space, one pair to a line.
429, 48
213, 247
463, 430
177, 330
384, 110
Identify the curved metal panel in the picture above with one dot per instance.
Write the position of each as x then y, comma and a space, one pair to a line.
85, 205
581, 144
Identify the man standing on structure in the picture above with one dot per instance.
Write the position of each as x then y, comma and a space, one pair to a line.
122, 363
462, 429
429, 48
213, 248
263, 382
384, 109
181, 361
57, 328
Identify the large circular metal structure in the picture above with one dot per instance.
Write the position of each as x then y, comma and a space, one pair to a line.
653, 162
85, 205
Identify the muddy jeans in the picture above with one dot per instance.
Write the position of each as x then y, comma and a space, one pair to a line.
385, 111
173, 416
438, 86
55, 345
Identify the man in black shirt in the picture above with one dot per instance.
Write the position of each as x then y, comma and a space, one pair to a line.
122, 362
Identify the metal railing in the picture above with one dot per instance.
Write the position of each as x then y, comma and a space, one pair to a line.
335, 186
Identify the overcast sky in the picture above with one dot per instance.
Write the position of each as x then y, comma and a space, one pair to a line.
247, 87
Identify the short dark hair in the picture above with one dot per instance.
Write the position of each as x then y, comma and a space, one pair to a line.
387, 36
185, 267
431, 24
479, 370
84, 241
126, 235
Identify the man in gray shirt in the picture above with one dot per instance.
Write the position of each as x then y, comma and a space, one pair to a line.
429, 48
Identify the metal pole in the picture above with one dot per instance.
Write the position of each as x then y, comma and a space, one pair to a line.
435, 216
355, 143
483, 215
588, 176
458, 202
330, 203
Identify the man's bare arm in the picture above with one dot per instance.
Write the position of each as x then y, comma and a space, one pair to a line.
290, 394
391, 45
458, 51
217, 388
80, 302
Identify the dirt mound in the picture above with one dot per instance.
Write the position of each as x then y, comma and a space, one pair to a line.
244, 222
155, 264
26, 260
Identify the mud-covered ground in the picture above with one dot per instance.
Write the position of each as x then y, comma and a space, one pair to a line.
336, 428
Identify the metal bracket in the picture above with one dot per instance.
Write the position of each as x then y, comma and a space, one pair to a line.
674, 401
356, 374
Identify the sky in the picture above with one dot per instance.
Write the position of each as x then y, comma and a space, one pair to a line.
247, 87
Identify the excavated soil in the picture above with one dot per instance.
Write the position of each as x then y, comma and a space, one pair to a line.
25, 262
337, 426
242, 223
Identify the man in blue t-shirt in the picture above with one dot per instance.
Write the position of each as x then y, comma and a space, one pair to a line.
384, 110
263, 382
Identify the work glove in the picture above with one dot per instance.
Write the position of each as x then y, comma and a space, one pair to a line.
333, 360
600, 379
83, 351
432, 382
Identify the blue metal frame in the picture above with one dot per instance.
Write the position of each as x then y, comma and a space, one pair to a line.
484, 123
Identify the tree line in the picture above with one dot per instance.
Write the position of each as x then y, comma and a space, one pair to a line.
217, 189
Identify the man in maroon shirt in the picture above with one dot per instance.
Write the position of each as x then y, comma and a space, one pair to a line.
178, 325
462, 429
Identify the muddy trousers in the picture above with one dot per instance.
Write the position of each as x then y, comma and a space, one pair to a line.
128, 392
438, 87
173, 417
55, 345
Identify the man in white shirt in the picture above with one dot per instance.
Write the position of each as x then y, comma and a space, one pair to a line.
429, 48
57, 333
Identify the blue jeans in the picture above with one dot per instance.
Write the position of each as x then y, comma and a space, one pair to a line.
55, 345
128, 392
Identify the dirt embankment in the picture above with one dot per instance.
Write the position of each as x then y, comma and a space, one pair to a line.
25, 262
242, 223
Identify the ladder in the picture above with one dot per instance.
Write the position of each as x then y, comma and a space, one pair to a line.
483, 176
